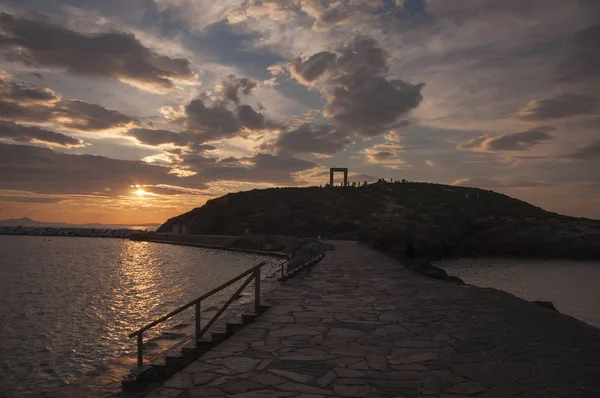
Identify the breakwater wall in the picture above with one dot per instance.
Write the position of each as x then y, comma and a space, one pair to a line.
70, 232
277, 245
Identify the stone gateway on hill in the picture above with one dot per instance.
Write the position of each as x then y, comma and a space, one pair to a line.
333, 170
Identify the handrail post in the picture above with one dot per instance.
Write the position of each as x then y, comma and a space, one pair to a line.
253, 272
257, 291
140, 348
197, 321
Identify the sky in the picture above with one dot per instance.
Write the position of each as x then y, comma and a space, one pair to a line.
135, 111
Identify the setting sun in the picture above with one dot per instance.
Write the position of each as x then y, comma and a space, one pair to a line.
140, 192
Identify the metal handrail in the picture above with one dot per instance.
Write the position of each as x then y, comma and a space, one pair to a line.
313, 252
255, 271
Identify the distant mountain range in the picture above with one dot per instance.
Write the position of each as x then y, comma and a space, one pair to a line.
28, 222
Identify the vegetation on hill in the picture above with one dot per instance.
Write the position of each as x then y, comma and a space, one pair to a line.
417, 219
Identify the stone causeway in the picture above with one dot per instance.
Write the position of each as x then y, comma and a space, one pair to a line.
361, 325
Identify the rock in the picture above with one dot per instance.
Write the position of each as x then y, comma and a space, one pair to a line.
424, 267
420, 264
455, 279
426, 246
436, 273
546, 304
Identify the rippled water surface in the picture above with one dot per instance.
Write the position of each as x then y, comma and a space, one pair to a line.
67, 304
571, 285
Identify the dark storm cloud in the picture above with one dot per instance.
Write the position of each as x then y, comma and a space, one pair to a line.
560, 107
42, 170
360, 97
233, 86
19, 133
29, 104
590, 152
41, 43
509, 142
307, 138
584, 60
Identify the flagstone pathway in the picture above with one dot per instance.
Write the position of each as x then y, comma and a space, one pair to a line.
360, 325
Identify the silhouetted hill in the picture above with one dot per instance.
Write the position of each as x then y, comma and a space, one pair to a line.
25, 221
435, 220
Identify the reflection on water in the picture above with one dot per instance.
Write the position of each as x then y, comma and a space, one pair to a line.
68, 304
138, 277
571, 285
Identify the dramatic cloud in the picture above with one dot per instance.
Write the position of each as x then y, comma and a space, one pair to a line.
258, 168
42, 170
310, 69
212, 122
69, 114
19, 93
359, 96
197, 14
163, 137
348, 12
233, 86
19, 133
218, 120
119, 55
384, 155
509, 142
314, 139
22, 103
277, 10
584, 61
560, 107
321, 17
251, 119
13, 91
